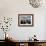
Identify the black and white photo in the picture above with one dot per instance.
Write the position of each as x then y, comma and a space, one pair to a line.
25, 19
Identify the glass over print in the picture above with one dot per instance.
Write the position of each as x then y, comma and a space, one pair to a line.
25, 19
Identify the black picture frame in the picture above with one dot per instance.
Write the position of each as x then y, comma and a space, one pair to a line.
25, 20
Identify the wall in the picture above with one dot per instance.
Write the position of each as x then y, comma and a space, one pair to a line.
11, 8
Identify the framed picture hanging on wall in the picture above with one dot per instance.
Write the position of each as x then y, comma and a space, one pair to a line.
25, 20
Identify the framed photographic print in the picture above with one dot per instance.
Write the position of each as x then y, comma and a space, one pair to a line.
25, 20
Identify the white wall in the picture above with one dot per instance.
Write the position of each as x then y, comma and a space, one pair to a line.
11, 8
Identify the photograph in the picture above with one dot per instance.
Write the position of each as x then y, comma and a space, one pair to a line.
25, 19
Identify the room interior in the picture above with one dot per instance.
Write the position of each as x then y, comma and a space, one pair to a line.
22, 23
